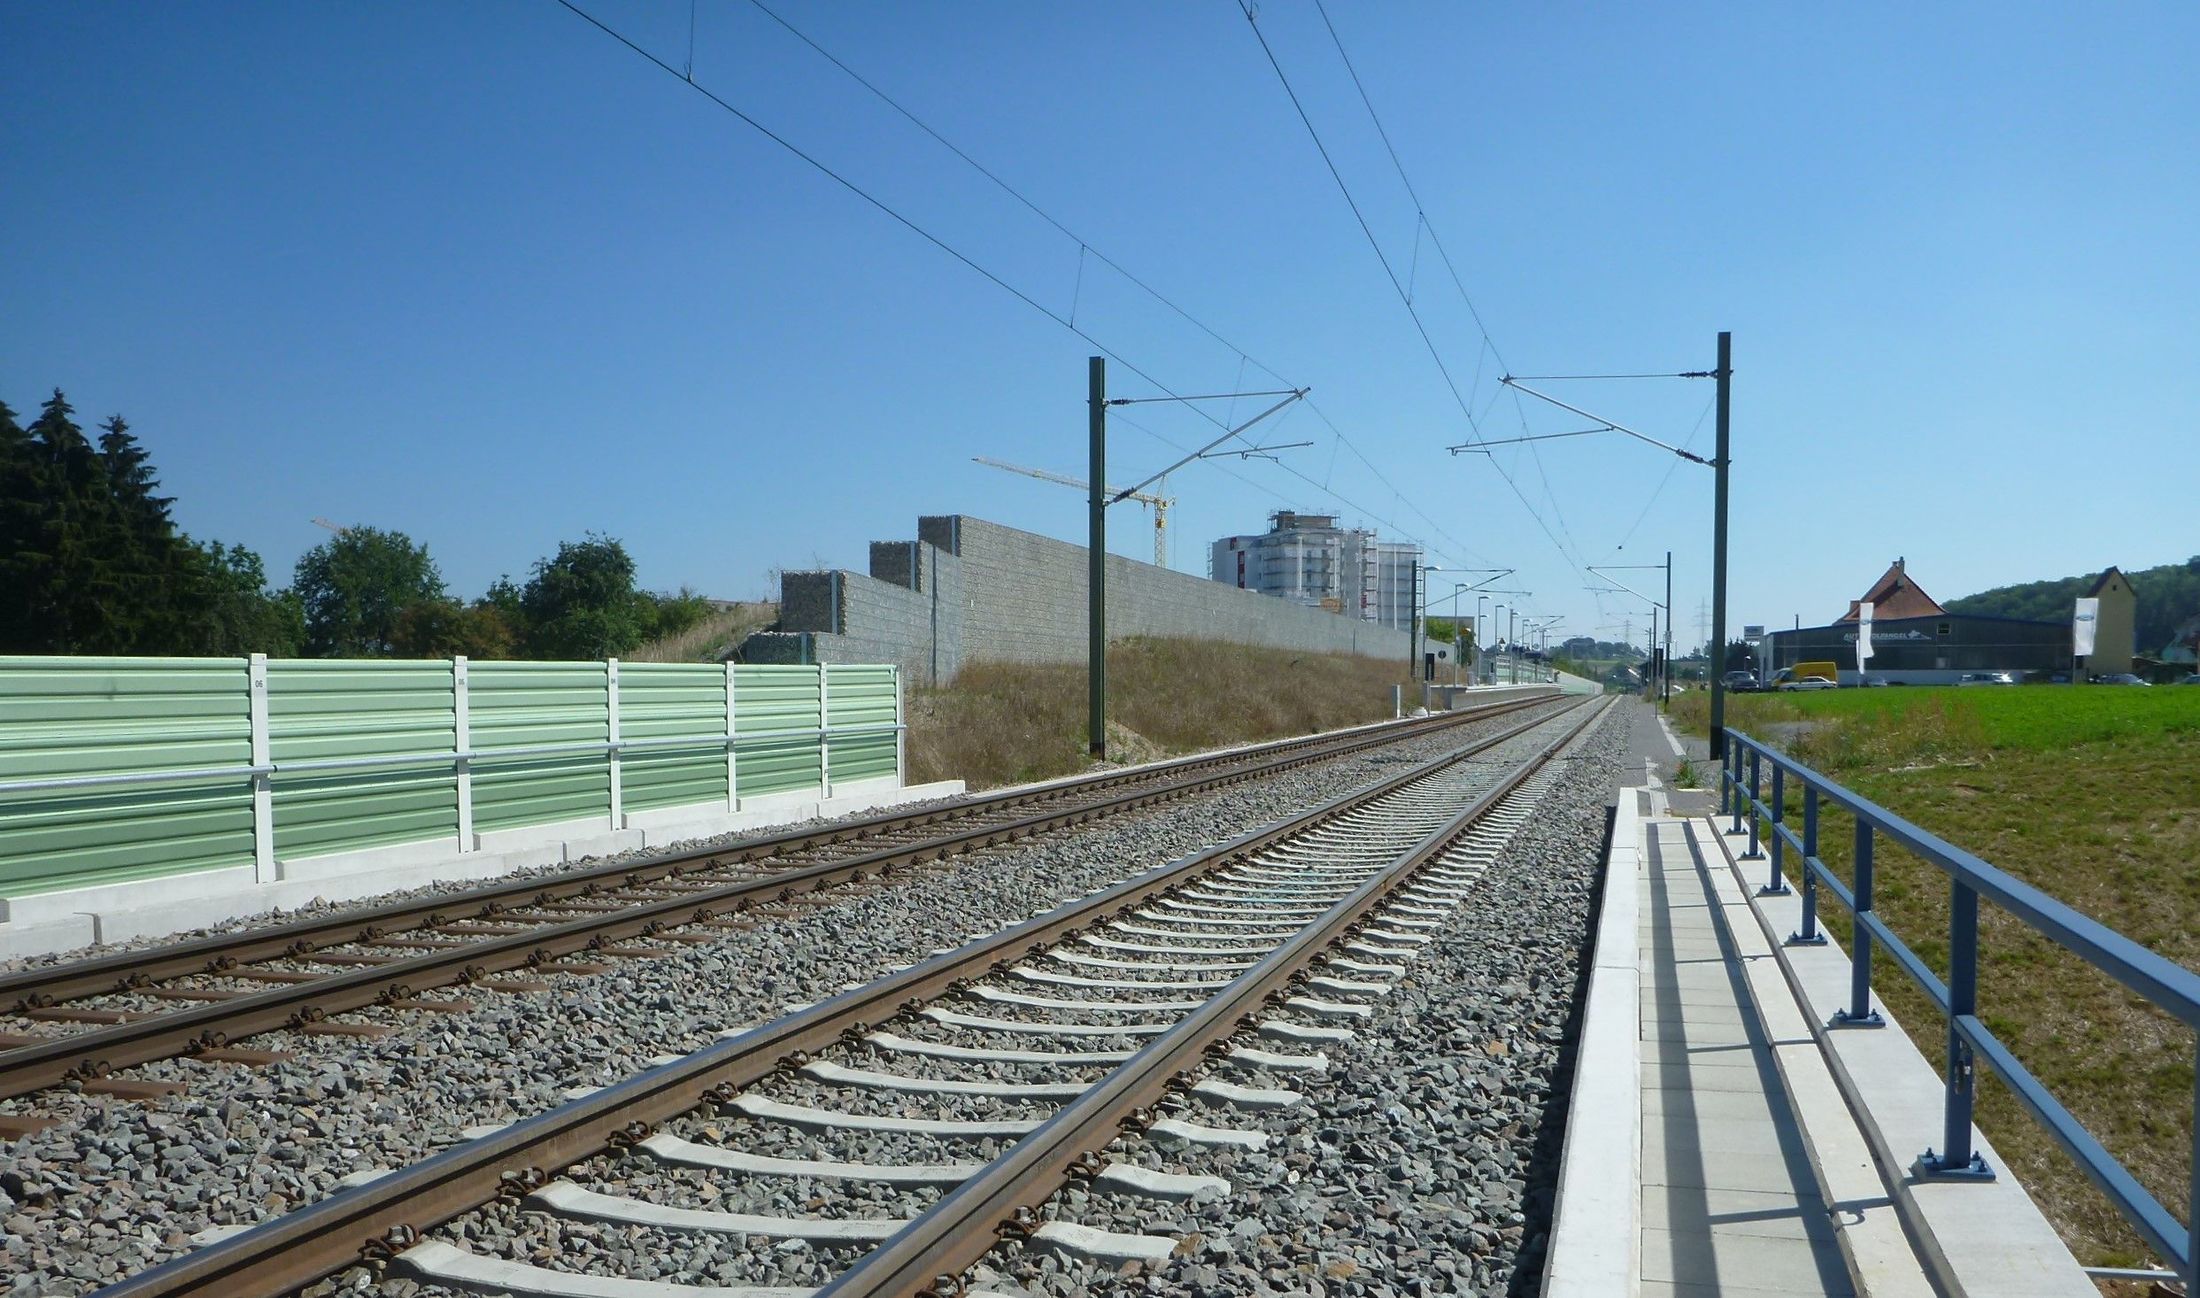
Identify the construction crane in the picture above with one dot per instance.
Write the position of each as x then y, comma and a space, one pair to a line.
1159, 504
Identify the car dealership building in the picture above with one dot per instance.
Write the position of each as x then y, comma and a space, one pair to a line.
1917, 642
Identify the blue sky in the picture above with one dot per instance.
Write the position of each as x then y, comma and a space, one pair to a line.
479, 273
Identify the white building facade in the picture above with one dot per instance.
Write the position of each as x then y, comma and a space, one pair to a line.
1309, 560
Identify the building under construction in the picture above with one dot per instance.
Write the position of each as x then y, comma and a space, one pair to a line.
1309, 560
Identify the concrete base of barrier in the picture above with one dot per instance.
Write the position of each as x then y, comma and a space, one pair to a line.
62, 921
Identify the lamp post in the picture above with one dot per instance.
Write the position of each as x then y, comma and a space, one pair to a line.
1481, 644
1497, 615
1413, 652
1458, 589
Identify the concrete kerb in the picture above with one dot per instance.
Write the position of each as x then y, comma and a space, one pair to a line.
1979, 1238
1596, 1225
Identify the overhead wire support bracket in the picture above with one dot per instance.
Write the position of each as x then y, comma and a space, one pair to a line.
1255, 452
1498, 574
1683, 374
1516, 385
1208, 396
1482, 447
1295, 394
1651, 600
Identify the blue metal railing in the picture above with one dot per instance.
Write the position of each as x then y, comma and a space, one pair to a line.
2168, 986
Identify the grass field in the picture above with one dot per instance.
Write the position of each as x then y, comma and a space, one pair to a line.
2092, 795
1004, 723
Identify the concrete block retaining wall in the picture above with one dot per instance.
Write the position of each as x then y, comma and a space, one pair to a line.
967, 590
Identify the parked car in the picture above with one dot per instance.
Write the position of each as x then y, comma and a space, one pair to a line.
1873, 682
2119, 678
1739, 682
2191, 680
1986, 678
1809, 683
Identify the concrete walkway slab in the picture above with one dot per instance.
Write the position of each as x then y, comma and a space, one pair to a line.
1716, 1128
1720, 1140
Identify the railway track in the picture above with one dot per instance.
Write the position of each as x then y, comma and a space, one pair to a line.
1060, 1046
78, 1024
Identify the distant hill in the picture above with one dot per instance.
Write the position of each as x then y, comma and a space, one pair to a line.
2169, 597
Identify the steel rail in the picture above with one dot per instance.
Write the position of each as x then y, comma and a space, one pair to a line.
930, 1255
376, 1221
130, 970
97, 1053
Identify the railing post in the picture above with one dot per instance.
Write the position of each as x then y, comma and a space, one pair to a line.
1808, 934
733, 781
901, 735
263, 785
2192, 1213
1734, 780
1860, 1013
462, 737
1726, 794
1777, 885
824, 730
1756, 793
1957, 1158
611, 709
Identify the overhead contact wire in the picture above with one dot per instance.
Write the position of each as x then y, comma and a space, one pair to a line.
864, 194
1067, 323
1346, 190
1085, 247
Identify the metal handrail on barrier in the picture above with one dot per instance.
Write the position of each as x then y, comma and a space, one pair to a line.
2165, 984
391, 761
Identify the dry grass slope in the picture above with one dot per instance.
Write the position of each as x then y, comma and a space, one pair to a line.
1004, 723
708, 640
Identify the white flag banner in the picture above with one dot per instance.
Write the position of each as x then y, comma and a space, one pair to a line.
2082, 622
1863, 635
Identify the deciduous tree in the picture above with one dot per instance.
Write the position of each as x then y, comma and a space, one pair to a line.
445, 628
355, 586
581, 602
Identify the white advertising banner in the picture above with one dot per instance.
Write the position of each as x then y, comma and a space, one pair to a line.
2082, 622
1863, 635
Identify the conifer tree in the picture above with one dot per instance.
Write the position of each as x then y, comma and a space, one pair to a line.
162, 594
91, 562
77, 591
21, 535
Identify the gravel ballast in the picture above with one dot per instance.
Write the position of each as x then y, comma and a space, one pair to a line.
1425, 1159
121, 1186
561, 1243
